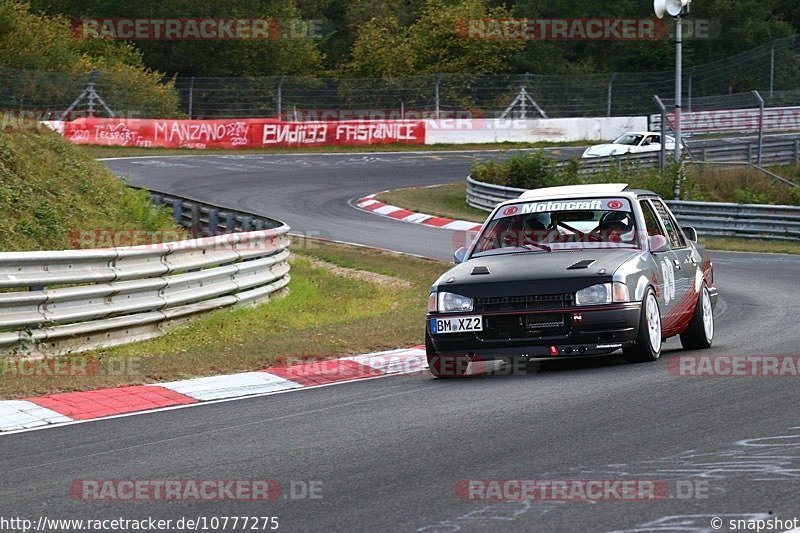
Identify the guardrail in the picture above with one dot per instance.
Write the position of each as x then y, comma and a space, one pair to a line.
73, 300
775, 222
773, 152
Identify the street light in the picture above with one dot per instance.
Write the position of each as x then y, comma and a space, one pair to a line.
675, 8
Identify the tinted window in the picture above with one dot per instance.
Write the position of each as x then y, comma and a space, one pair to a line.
650, 219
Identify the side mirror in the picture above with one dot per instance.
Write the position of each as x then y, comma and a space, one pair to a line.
690, 233
460, 254
657, 243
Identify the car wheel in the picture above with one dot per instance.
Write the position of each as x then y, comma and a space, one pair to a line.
444, 366
700, 332
648, 341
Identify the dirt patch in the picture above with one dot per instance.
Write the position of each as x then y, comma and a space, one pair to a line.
362, 275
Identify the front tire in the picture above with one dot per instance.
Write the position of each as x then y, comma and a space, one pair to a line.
700, 333
648, 341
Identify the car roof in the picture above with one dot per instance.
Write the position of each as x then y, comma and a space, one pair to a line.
642, 133
574, 190
581, 191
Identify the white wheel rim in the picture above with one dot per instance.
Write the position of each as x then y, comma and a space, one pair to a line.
653, 324
708, 315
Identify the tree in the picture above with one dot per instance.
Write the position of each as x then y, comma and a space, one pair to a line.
32, 45
435, 42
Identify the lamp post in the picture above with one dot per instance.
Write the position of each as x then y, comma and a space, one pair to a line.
675, 8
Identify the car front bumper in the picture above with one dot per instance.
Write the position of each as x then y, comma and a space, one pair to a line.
587, 331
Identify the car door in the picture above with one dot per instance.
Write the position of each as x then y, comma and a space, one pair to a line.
665, 282
655, 144
684, 262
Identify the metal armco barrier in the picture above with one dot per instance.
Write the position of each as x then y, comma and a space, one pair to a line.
773, 152
73, 300
777, 222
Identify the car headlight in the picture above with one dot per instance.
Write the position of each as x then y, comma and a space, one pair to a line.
602, 293
453, 303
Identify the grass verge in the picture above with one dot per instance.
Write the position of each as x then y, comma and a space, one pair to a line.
52, 194
124, 151
342, 300
441, 200
449, 201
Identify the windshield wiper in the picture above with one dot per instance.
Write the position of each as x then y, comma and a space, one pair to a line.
538, 245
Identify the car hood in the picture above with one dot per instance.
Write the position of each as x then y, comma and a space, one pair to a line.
605, 149
534, 273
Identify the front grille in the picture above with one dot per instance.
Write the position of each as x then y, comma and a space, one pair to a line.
523, 303
524, 326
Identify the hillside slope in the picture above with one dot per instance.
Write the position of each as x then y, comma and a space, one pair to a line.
53, 195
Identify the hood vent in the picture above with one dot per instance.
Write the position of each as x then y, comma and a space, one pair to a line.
480, 270
583, 263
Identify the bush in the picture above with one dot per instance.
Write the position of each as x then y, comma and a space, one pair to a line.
794, 196
529, 170
746, 195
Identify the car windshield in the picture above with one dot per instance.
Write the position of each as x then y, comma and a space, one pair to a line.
630, 139
553, 225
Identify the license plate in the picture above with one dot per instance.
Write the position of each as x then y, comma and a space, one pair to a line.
462, 324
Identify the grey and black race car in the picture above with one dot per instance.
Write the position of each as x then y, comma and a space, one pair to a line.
572, 271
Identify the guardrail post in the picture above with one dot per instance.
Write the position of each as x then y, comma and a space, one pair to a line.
195, 221
230, 222
760, 125
797, 152
749, 153
246, 223
177, 210
259, 224
662, 154
213, 222
157, 199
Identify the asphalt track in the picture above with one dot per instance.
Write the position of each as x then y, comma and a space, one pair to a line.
389, 452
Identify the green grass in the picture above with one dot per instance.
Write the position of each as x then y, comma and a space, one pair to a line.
750, 245
441, 200
51, 189
99, 152
450, 201
325, 314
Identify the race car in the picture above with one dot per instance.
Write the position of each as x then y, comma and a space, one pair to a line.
634, 142
575, 271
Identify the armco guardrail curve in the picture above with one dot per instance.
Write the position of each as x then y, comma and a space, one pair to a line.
776, 222
73, 300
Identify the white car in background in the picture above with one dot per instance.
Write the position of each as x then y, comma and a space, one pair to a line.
633, 142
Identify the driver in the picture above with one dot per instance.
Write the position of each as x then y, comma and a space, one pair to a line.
537, 228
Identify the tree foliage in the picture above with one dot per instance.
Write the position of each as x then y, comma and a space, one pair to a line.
433, 43
40, 43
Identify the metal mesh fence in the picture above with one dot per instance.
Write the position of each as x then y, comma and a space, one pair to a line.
772, 69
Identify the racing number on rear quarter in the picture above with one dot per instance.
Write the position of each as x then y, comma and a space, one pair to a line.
668, 272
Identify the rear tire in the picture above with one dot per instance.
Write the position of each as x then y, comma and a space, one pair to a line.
444, 366
699, 335
648, 341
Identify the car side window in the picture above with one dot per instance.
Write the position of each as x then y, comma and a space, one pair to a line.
675, 237
650, 219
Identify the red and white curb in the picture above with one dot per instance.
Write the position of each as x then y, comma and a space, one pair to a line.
69, 407
369, 203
